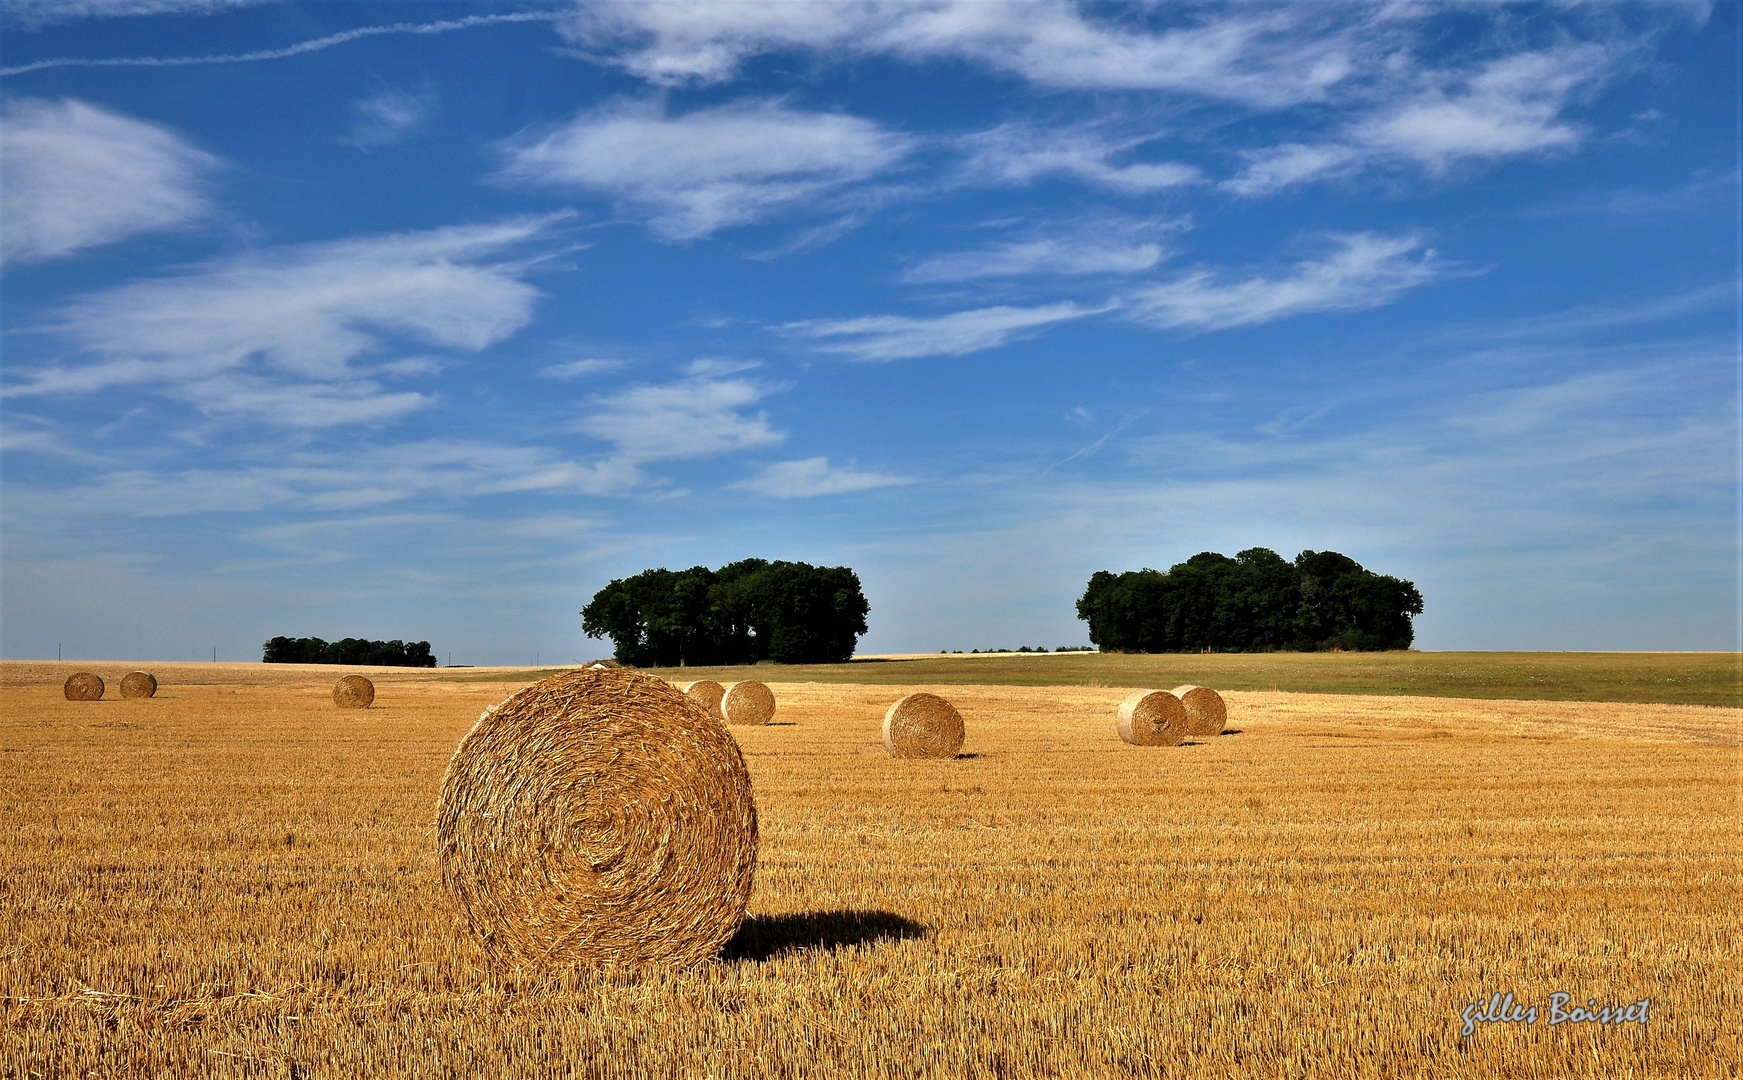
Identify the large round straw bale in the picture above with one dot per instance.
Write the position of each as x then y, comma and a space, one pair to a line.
139, 684
83, 686
1205, 712
599, 818
923, 725
1152, 718
748, 702
353, 692
706, 693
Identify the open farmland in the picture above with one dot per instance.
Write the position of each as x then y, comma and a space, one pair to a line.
237, 878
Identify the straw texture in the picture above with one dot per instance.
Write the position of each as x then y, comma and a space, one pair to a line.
1205, 712
1152, 718
923, 725
748, 702
707, 693
139, 684
599, 818
83, 686
353, 692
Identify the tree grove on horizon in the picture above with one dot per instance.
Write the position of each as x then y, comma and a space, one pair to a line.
743, 613
354, 651
1254, 602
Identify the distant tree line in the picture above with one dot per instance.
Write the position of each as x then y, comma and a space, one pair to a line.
353, 651
1254, 602
743, 613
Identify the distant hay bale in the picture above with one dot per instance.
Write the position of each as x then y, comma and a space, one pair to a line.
923, 725
139, 684
707, 693
1152, 718
599, 818
353, 692
1205, 712
603, 665
748, 702
83, 686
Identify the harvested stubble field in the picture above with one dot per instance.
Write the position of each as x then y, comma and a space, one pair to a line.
237, 878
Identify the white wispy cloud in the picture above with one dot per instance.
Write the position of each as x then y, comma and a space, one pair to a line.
388, 116
77, 176
703, 415
896, 337
440, 470
1021, 153
809, 477
1363, 270
575, 369
1071, 249
692, 174
281, 334
1507, 107
1271, 57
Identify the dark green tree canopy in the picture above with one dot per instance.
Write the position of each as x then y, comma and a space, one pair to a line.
356, 651
1254, 602
789, 612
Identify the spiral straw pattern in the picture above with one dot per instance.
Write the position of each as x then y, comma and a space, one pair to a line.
1152, 718
139, 684
1205, 712
599, 818
83, 686
353, 692
923, 725
748, 702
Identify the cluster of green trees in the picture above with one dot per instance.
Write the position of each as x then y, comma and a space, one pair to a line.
355, 651
743, 613
1254, 602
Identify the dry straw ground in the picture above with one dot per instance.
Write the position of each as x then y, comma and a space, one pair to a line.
236, 879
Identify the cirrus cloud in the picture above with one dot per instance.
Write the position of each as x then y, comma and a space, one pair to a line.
79, 176
1363, 270
810, 477
261, 332
692, 174
897, 337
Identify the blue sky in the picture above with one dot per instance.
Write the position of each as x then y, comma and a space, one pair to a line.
426, 320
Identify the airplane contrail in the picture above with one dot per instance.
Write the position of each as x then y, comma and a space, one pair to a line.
312, 45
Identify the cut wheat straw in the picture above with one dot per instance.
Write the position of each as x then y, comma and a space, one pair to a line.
83, 686
706, 693
599, 818
748, 702
923, 725
353, 692
139, 684
1205, 712
1152, 718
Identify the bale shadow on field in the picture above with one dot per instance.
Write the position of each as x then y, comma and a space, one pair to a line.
763, 937
1230, 731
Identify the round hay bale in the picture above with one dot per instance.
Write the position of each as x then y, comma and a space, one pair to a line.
353, 692
923, 725
1205, 712
748, 702
599, 818
707, 693
139, 684
1152, 718
83, 686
